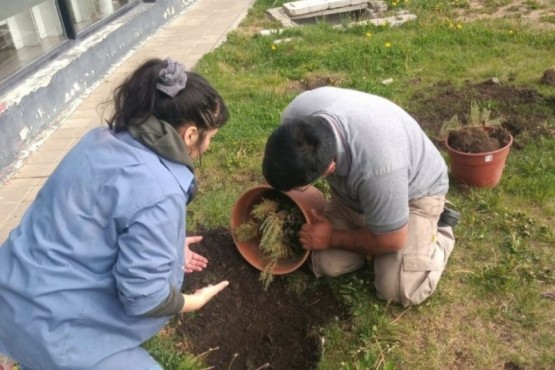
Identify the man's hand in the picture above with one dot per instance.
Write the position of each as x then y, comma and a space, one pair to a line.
318, 235
321, 236
193, 261
202, 296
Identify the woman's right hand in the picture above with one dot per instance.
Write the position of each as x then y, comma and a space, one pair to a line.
202, 296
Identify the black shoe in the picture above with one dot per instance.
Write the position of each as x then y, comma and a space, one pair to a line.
449, 217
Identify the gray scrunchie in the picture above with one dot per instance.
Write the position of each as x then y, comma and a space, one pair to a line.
172, 79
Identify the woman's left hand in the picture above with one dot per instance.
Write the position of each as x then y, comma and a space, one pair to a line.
193, 261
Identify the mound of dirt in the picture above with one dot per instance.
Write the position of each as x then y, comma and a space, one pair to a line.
548, 77
478, 140
246, 327
512, 103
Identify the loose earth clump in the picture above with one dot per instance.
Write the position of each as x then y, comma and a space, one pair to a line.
523, 110
478, 140
548, 77
247, 326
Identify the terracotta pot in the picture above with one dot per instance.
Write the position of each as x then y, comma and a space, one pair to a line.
481, 170
311, 198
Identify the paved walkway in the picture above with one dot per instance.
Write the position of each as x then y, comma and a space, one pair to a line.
198, 30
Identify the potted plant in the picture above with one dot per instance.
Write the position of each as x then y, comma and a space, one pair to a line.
478, 149
265, 225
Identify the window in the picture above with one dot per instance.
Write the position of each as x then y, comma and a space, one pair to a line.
83, 13
30, 29
26, 35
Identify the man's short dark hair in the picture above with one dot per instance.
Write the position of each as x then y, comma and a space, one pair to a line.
298, 152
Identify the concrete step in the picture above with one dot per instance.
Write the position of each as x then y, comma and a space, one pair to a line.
305, 7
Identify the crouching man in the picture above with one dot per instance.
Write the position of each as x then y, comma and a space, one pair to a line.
388, 185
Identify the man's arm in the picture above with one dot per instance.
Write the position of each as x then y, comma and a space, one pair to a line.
322, 236
366, 242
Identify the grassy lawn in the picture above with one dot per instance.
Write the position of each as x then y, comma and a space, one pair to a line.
495, 305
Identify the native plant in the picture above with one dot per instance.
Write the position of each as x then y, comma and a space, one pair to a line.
476, 117
470, 136
276, 221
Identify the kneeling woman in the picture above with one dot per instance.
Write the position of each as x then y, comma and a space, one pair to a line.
96, 266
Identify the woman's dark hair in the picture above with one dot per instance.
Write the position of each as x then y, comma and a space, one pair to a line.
137, 99
298, 152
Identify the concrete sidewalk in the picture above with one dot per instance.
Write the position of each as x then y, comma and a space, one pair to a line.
198, 30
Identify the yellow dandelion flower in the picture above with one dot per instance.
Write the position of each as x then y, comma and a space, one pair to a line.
368, 34
274, 47
510, 32
387, 45
459, 26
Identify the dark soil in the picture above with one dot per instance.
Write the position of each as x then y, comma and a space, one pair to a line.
548, 77
478, 140
251, 326
523, 110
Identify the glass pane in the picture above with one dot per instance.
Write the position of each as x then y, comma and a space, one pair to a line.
27, 35
87, 12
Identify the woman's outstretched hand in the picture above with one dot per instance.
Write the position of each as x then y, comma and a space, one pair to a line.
193, 261
202, 296
196, 262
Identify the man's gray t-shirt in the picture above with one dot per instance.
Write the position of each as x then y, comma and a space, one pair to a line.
384, 158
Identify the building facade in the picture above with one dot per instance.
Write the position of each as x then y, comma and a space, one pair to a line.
51, 51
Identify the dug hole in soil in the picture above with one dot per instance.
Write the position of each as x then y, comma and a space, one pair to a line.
248, 327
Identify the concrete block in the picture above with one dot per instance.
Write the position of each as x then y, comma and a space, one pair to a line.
302, 7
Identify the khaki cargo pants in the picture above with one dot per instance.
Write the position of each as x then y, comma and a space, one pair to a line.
407, 277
